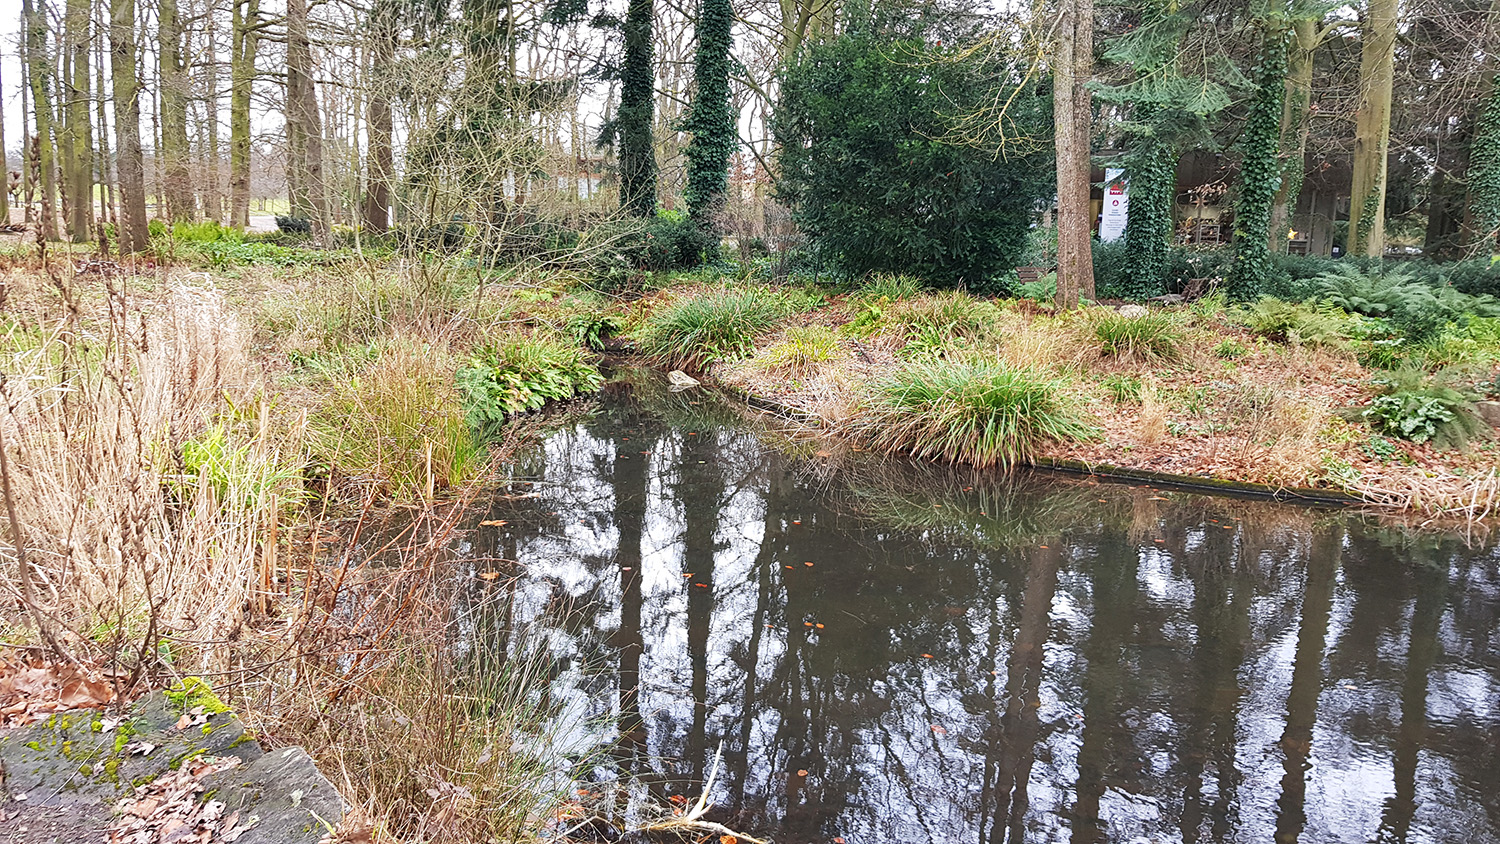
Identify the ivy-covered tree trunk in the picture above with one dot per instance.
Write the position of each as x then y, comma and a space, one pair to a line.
711, 120
244, 41
130, 161
1372, 129
637, 109
1294, 127
38, 71
1073, 65
1484, 173
1152, 171
1261, 145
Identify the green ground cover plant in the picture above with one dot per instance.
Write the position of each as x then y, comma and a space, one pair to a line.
523, 373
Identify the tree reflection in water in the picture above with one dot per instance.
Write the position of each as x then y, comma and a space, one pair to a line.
977, 658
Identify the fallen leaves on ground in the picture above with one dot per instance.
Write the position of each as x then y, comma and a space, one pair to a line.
167, 809
31, 690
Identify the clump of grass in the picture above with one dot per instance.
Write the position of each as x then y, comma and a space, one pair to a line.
720, 325
1153, 336
1230, 349
1155, 419
1122, 389
521, 374
979, 412
892, 288
801, 351
399, 422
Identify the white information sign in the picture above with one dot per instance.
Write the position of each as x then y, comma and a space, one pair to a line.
1116, 205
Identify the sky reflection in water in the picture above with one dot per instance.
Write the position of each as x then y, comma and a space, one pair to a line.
970, 658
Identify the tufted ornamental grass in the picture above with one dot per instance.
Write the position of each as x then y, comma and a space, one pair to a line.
801, 351
718, 325
1156, 335
985, 413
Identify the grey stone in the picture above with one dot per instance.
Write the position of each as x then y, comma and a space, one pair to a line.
1133, 311
1489, 411
60, 777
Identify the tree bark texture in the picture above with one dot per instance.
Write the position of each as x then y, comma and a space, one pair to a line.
1294, 128
130, 164
39, 71
380, 159
244, 41
172, 73
304, 127
1073, 66
1372, 129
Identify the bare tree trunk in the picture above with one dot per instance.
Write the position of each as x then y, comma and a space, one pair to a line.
1294, 128
172, 77
5, 167
379, 162
245, 40
39, 71
104, 174
130, 165
211, 193
1372, 129
304, 126
78, 160
1072, 114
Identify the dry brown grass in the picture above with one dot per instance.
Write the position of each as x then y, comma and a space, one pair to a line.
130, 543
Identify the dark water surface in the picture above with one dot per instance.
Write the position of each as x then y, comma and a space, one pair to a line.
889, 652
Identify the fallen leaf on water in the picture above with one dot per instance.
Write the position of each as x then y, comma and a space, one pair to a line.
927, 656
938, 728
838, 839
488, 575
801, 772
493, 522
807, 624
701, 585
807, 563
819, 626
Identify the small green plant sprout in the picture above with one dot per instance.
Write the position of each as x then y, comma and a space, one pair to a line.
1122, 389
1230, 349
1154, 335
980, 412
523, 374
802, 349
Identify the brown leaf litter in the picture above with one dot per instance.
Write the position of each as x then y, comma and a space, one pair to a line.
168, 810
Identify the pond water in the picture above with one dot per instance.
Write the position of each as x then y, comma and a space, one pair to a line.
891, 652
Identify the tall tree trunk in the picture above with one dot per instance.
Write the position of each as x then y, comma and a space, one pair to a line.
304, 126
1372, 129
105, 170
173, 80
1261, 144
711, 120
244, 41
39, 71
1072, 112
130, 165
5, 167
1294, 128
379, 163
637, 108
78, 169
210, 192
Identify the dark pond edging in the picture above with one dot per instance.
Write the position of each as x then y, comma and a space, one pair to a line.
1191, 483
